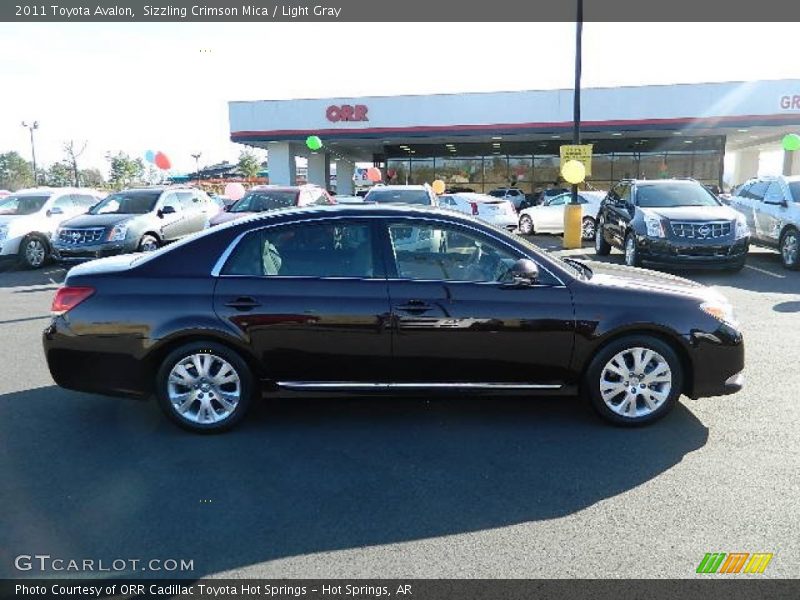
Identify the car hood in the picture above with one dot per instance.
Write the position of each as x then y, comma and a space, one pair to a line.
106, 220
694, 213
225, 217
636, 279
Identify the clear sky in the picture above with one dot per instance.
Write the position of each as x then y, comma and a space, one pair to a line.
135, 87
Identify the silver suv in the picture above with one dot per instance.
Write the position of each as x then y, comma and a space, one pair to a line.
771, 206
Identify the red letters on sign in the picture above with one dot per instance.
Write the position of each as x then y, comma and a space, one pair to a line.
346, 112
790, 102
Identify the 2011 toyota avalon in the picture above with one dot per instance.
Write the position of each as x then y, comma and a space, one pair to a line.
331, 298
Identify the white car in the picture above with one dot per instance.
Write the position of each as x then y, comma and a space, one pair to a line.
771, 207
497, 211
549, 217
514, 195
29, 218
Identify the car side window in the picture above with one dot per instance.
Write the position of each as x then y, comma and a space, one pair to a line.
320, 197
65, 204
171, 199
327, 249
84, 201
187, 200
758, 190
625, 195
431, 251
560, 200
774, 194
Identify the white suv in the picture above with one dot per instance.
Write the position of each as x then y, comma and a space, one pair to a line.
29, 218
771, 206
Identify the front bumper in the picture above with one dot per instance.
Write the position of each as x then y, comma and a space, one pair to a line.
708, 254
85, 252
717, 362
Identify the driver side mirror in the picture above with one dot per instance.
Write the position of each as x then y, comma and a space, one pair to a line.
525, 272
56, 210
167, 210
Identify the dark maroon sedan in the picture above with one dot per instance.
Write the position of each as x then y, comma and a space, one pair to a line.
271, 197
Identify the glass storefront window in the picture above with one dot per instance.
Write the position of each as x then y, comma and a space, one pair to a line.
421, 171
397, 171
520, 170
546, 171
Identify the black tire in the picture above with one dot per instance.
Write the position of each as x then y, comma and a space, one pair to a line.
526, 225
148, 243
588, 229
34, 251
218, 351
601, 246
591, 383
632, 259
788, 259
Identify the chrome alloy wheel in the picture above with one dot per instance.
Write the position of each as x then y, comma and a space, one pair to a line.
204, 388
35, 252
635, 382
789, 248
149, 245
588, 228
525, 225
630, 251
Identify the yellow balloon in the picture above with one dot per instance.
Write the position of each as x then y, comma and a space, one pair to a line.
438, 187
573, 171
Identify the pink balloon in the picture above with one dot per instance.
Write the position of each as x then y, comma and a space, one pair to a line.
374, 174
234, 191
162, 162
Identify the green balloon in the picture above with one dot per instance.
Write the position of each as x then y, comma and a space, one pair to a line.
791, 142
313, 142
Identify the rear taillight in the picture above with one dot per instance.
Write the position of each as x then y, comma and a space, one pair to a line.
474, 206
68, 298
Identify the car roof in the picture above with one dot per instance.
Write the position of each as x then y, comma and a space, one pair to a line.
477, 196
283, 188
38, 191
400, 187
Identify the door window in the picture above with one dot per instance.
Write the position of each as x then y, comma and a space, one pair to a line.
757, 190
187, 200
171, 200
328, 249
84, 201
559, 200
774, 194
65, 204
431, 251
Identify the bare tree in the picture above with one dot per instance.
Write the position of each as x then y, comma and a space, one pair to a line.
73, 154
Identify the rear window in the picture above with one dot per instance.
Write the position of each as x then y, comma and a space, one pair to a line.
261, 201
498, 193
666, 195
398, 197
22, 205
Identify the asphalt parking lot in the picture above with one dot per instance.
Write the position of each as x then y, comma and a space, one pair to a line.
408, 487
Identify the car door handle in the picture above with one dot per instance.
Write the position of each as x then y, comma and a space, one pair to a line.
415, 306
243, 303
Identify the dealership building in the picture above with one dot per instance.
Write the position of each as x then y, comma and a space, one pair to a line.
486, 140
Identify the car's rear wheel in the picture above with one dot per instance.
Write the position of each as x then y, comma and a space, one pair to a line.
33, 252
148, 243
790, 249
631, 251
525, 225
204, 387
634, 380
601, 246
588, 228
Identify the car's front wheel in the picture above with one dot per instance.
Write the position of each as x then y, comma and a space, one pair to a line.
525, 225
148, 243
204, 387
588, 228
790, 249
634, 380
33, 252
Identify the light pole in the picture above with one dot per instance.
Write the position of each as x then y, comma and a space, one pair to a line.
196, 158
31, 127
572, 211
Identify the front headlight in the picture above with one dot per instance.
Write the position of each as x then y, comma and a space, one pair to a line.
655, 227
720, 310
118, 232
742, 230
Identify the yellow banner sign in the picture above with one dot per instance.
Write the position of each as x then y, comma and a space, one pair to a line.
582, 153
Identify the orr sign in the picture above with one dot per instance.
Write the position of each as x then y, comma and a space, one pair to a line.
346, 112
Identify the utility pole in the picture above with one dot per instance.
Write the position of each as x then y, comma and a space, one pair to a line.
576, 99
31, 127
196, 158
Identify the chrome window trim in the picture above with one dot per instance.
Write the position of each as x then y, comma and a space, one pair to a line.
216, 271
373, 386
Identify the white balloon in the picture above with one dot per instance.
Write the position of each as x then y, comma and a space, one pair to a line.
234, 191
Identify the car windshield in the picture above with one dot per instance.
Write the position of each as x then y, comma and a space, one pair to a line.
22, 205
794, 188
127, 203
398, 197
668, 195
265, 200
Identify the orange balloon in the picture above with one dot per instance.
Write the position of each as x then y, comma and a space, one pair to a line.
374, 174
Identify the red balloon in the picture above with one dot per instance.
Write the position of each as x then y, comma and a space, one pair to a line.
374, 174
162, 162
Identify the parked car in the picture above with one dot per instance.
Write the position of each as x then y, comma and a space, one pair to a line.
771, 207
28, 219
401, 194
135, 220
327, 299
675, 222
499, 212
263, 198
549, 217
348, 199
514, 195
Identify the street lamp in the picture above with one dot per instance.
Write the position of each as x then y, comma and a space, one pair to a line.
196, 158
31, 127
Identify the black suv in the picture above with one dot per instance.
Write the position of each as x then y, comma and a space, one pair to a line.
674, 222
136, 220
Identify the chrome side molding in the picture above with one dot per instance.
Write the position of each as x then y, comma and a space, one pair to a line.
377, 386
